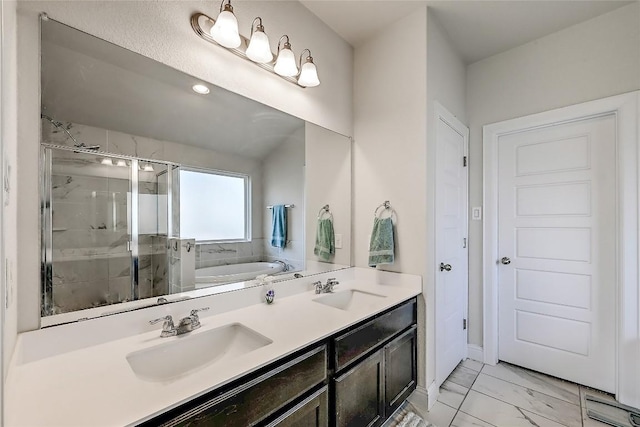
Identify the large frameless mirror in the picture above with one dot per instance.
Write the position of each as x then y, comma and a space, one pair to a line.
158, 187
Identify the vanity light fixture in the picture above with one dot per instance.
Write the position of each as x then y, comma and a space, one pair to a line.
201, 89
286, 60
147, 168
308, 72
225, 29
107, 161
122, 163
259, 49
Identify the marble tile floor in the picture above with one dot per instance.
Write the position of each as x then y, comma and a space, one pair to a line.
506, 395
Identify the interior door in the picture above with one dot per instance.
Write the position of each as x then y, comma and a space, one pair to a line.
451, 244
557, 280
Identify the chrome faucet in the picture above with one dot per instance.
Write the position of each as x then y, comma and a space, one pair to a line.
186, 324
191, 322
327, 287
168, 328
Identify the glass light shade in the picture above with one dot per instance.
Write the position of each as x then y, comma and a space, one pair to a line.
147, 168
107, 162
286, 63
308, 75
121, 163
259, 49
225, 30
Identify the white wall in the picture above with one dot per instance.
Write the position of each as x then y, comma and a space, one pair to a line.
328, 181
162, 31
283, 184
446, 84
8, 133
390, 132
591, 60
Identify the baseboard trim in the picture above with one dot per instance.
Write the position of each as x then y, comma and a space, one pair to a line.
432, 394
475, 352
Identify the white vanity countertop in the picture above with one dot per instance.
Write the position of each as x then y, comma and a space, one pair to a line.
94, 385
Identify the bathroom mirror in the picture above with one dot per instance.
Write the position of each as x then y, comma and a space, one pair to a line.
157, 186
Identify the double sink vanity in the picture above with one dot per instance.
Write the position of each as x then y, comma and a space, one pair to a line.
346, 357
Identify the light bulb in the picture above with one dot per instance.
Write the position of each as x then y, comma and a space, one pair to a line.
308, 74
225, 30
259, 49
286, 63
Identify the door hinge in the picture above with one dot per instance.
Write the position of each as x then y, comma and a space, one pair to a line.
464, 161
464, 243
464, 324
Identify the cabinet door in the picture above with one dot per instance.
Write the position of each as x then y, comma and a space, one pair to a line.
311, 412
359, 392
399, 370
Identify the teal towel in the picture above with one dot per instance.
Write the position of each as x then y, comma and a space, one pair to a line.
279, 227
381, 250
325, 239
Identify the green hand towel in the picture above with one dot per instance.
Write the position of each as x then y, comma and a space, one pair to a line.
381, 250
325, 239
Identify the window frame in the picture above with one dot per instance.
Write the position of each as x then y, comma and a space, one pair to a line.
247, 202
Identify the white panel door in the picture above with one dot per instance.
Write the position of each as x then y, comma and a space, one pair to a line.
451, 247
556, 220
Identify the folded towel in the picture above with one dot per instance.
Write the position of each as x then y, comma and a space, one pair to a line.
325, 239
381, 250
279, 227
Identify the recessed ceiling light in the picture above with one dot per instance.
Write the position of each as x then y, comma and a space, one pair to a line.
201, 89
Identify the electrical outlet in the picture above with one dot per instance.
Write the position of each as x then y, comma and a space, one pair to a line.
338, 241
476, 213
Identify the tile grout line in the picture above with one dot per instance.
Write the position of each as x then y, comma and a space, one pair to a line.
515, 406
520, 385
466, 394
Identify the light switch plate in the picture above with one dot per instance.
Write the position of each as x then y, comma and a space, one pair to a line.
338, 241
476, 213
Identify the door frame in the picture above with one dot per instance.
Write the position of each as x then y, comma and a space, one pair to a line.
441, 113
625, 109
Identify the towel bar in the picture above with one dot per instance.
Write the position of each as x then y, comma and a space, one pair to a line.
286, 206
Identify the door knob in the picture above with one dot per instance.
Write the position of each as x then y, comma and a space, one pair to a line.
505, 260
445, 267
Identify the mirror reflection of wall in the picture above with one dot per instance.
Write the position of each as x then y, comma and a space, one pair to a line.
133, 239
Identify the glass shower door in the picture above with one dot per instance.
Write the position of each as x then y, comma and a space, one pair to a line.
87, 231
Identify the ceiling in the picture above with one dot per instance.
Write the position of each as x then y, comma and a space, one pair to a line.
89, 81
477, 29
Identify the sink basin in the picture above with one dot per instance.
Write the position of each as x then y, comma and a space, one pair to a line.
350, 299
188, 353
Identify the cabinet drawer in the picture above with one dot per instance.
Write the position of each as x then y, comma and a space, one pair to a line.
259, 398
311, 412
357, 342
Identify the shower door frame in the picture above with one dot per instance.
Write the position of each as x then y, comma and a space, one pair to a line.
46, 219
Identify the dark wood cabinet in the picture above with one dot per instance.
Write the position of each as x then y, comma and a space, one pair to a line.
359, 393
311, 412
400, 370
356, 378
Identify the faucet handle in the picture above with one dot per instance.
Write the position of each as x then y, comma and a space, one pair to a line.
167, 319
194, 312
168, 328
195, 318
318, 286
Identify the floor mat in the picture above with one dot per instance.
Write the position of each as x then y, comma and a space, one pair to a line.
612, 413
406, 416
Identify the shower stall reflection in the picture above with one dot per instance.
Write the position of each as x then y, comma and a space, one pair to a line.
105, 225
